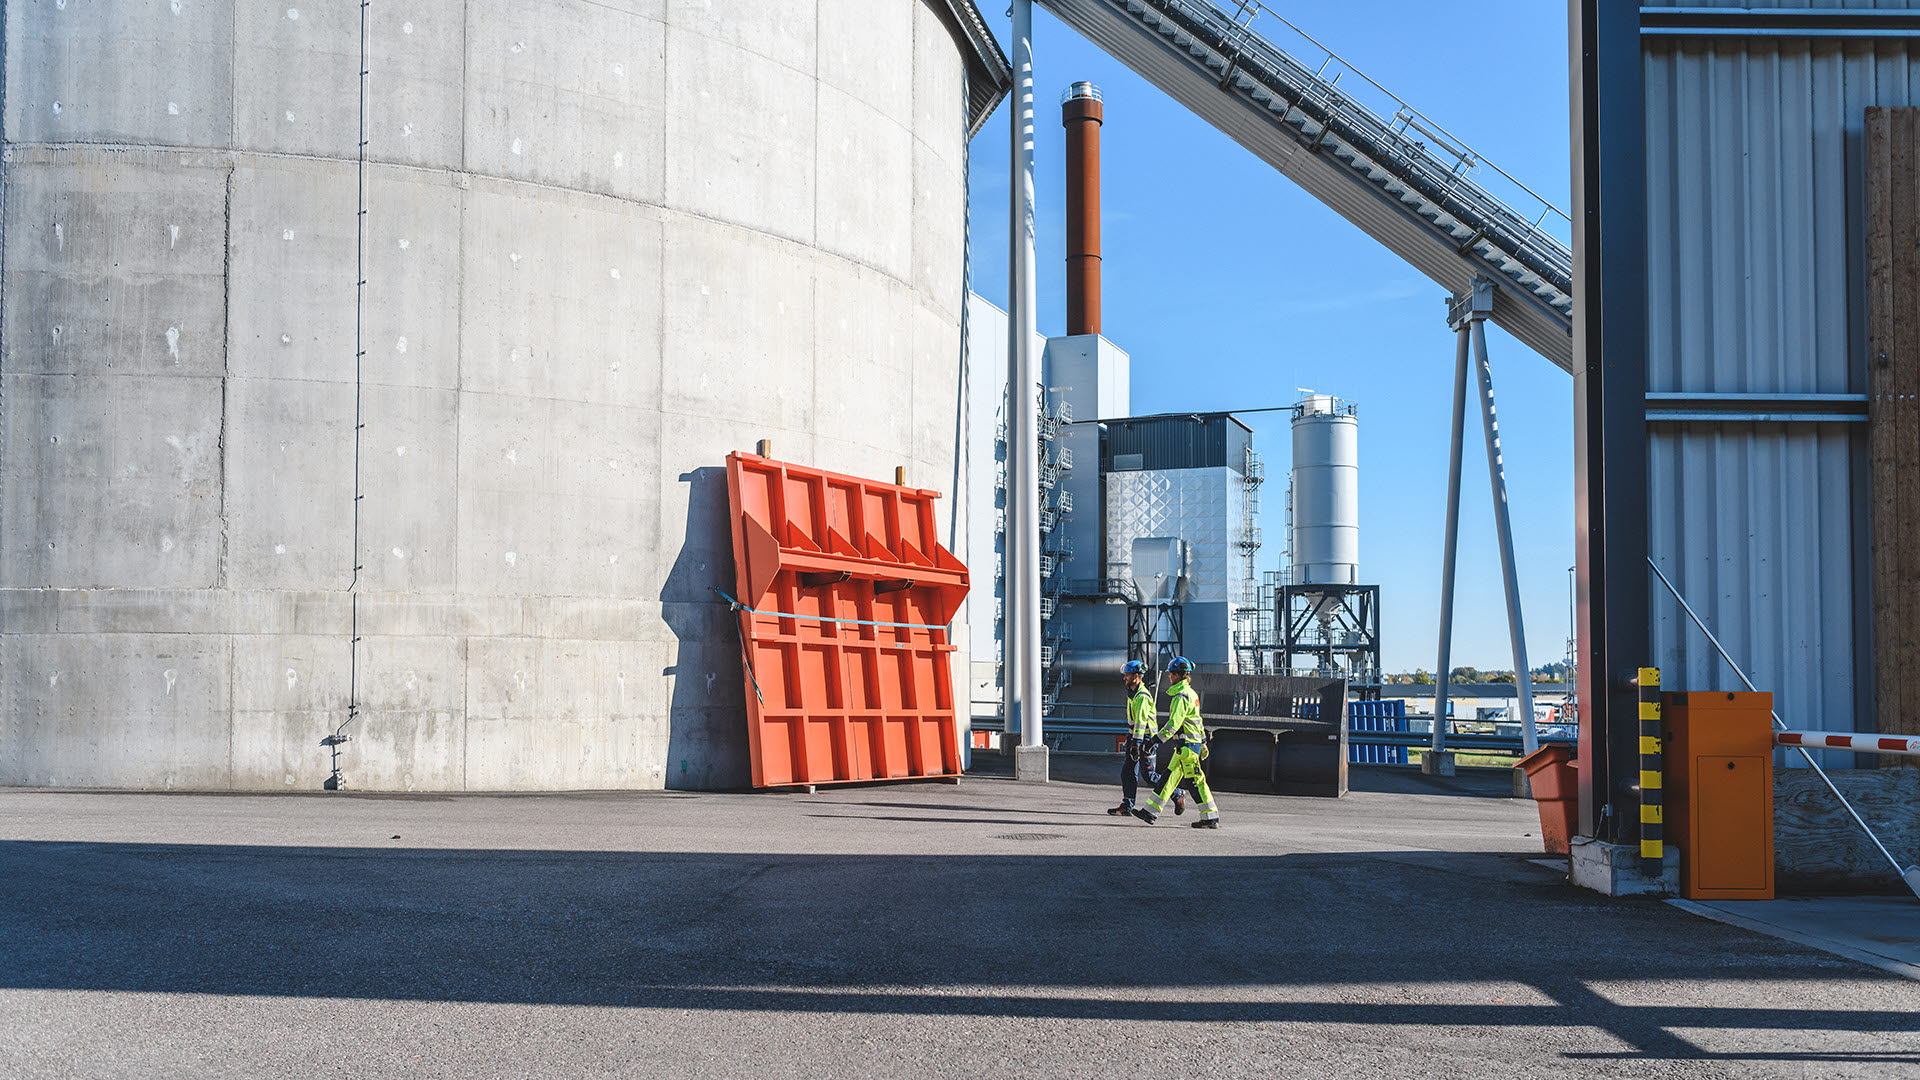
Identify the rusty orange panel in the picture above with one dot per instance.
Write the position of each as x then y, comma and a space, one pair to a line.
845, 601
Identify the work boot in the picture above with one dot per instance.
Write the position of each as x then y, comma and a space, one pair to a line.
1145, 815
1122, 810
1210, 823
1179, 804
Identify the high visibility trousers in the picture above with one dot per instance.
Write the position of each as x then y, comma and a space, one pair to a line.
1185, 768
1147, 769
1135, 765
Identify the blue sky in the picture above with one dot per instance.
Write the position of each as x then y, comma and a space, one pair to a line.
1230, 287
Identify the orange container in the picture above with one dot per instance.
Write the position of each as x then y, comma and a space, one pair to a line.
845, 598
1553, 777
1719, 792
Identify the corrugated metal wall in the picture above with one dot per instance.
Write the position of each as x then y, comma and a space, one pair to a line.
1755, 272
1179, 442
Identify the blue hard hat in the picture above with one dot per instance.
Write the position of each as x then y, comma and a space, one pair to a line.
1133, 667
1179, 665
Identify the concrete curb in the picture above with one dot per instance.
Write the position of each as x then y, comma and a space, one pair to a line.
1758, 926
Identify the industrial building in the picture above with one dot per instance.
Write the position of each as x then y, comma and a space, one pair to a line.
370, 370
1148, 527
367, 376
1396, 174
1147, 523
1729, 309
1181, 498
1740, 202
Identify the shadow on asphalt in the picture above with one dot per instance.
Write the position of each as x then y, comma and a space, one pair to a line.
891, 934
957, 808
1048, 821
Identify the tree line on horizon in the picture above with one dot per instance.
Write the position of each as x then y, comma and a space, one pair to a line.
1554, 672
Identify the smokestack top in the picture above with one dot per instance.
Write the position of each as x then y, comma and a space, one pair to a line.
1081, 91
1083, 115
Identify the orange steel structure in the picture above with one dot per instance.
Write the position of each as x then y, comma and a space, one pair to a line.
845, 600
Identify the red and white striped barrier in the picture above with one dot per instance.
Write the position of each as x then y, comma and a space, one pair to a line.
1850, 740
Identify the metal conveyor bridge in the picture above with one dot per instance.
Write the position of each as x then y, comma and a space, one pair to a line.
1403, 180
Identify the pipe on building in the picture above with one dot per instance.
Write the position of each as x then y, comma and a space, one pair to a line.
1082, 114
1095, 664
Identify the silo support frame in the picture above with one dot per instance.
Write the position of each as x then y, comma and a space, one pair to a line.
1467, 316
1353, 609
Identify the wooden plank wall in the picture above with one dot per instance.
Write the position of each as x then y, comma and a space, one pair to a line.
1817, 848
1893, 434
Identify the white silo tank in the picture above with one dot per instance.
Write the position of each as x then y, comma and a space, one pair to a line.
1326, 492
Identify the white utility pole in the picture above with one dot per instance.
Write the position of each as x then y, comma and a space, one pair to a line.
1021, 671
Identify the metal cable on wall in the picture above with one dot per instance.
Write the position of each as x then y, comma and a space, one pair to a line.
963, 429
335, 781
963, 450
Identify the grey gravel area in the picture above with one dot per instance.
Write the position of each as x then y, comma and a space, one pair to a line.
985, 929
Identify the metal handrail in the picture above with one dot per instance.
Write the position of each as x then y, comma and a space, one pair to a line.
1321, 405
1408, 116
1446, 180
1104, 588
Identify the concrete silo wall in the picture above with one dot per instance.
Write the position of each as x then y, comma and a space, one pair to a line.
605, 244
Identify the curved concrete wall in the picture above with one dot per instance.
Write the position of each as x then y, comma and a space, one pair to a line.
606, 243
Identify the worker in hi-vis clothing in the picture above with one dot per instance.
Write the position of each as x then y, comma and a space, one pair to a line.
1189, 737
1142, 724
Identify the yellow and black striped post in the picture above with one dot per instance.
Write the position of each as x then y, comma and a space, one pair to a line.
1652, 792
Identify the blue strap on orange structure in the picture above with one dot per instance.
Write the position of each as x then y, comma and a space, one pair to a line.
738, 606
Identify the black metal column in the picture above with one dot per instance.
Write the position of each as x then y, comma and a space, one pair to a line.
1610, 383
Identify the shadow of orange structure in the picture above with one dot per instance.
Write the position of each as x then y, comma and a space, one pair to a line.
845, 601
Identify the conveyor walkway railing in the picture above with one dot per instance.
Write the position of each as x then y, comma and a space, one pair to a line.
1400, 177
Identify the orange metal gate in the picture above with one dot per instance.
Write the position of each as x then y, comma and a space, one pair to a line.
845, 602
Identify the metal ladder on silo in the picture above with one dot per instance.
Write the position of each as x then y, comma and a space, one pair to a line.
1399, 176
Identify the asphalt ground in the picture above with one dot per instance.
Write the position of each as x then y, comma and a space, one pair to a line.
985, 929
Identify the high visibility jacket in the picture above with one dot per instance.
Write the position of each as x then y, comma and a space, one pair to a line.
1183, 716
1140, 713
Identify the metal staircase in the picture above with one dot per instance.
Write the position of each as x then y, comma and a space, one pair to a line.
1056, 506
1401, 178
